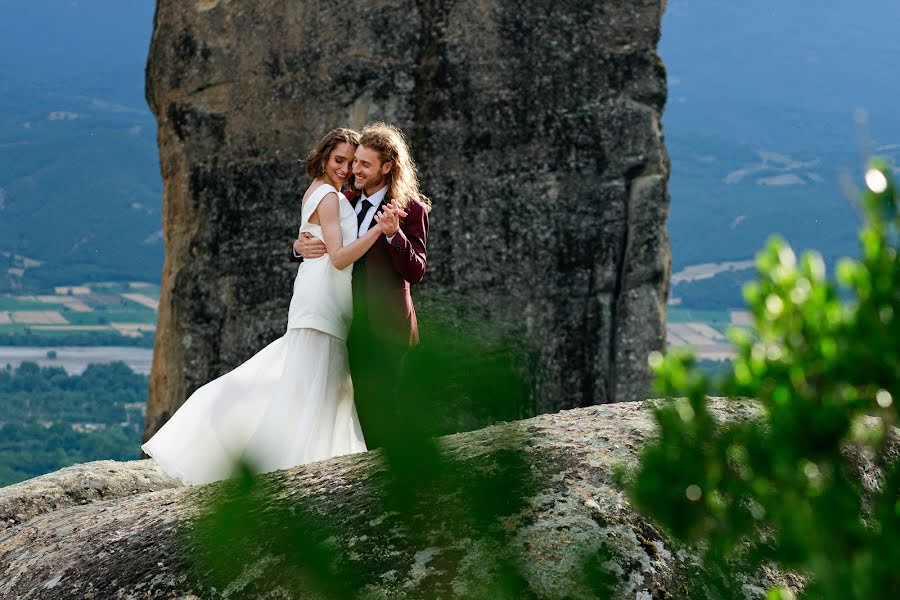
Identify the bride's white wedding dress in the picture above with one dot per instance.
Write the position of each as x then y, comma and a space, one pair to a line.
292, 402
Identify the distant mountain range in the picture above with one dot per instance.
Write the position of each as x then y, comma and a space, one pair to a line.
759, 126
80, 187
760, 120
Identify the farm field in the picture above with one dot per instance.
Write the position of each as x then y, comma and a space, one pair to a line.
125, 313
704, 330
89, 314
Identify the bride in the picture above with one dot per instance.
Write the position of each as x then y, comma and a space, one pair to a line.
292, 402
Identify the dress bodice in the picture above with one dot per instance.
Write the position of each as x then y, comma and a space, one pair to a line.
347, 214
322, 297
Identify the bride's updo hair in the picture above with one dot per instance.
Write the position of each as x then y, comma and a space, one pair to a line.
318, 156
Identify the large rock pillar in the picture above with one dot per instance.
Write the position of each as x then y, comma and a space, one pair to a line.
536, 128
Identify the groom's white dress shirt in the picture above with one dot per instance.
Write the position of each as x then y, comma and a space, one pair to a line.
375, 199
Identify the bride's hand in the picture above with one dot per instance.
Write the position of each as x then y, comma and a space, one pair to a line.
383, 223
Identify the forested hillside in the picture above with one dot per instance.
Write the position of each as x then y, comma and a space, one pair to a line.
49, 419
80, 188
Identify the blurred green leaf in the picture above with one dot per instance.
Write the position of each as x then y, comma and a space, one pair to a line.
782, 489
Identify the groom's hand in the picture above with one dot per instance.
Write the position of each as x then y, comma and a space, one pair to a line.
309, 247
389, 219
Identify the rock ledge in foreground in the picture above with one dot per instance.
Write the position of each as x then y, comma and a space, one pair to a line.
129, 547
80, 484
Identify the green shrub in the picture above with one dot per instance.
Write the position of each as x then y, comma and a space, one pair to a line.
823, 360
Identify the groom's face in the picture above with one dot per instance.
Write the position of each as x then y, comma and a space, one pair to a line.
369, 171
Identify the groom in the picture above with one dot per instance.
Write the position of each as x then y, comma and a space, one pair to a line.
384, 320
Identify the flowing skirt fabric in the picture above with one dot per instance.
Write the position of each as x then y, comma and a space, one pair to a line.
290, 404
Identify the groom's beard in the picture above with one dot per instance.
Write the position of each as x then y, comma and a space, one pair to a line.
374, 186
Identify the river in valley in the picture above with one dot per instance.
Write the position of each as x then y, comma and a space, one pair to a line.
75, 359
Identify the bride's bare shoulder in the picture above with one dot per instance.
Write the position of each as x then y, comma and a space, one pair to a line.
316, 183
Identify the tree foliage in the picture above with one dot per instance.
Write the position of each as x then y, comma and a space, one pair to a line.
50, 419
823, 360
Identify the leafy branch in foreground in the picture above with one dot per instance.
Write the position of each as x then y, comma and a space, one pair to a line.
823, 360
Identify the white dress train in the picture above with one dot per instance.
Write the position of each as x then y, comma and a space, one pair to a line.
289, 404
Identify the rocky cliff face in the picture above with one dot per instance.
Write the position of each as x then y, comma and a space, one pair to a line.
537, 131
134, 545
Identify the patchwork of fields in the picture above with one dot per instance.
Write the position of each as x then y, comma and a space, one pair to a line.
118, 309
125, 313
704, 331
128, 311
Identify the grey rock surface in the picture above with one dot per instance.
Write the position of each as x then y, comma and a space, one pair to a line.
537, 132
80, 484
132, 547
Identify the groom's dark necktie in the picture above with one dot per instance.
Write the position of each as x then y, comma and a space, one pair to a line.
359, 279
364, 210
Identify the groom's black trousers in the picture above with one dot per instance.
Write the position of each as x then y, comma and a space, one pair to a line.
376, 366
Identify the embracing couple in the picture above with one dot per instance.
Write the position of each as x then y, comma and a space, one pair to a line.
364, 226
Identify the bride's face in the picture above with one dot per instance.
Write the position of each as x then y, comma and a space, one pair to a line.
340, 164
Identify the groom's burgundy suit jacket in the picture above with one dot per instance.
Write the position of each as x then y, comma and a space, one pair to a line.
381, 279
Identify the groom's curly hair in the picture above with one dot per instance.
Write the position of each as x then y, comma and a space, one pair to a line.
318, 156
390, 144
